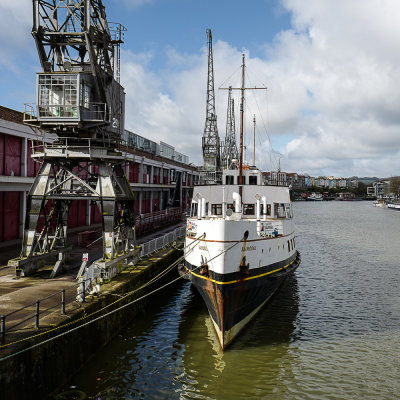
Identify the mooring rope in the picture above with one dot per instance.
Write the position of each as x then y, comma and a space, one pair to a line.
157, 277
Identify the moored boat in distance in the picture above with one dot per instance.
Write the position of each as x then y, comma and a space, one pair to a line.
240, 242
380, 203
315, 197
394, 206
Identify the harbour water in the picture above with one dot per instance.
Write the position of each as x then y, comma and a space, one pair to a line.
332, 332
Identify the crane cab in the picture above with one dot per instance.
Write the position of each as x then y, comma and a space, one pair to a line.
70, 99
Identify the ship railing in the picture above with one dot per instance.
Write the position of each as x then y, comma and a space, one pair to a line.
210, 177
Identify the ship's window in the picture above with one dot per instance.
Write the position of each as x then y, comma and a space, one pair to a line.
248, 209
193, 212
252, 180
288, 210
268, 209
216, 209
230, 206
207, 207
288, 243
280, 210
243, 180
229, 179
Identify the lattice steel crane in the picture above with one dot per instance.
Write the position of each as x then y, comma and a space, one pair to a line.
211, 141
81, 103
230, 157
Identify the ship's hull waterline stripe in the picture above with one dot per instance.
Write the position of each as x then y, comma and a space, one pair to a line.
240, 280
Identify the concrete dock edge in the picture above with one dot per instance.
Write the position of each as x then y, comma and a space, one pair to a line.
38, 372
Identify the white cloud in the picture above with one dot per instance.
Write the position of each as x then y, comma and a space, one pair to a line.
332, 86
15, 27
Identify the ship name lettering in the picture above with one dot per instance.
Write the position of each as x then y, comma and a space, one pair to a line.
249, 248
203, 248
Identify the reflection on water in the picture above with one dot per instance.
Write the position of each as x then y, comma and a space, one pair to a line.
332, 331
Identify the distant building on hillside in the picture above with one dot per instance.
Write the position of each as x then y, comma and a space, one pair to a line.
379, 188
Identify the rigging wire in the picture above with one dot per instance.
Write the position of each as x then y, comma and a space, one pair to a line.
157, 277
233, 73
274, 162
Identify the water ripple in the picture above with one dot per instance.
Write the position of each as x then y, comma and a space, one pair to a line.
332, 332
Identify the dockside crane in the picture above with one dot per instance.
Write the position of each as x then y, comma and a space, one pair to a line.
211, 141
230, 158
81, 105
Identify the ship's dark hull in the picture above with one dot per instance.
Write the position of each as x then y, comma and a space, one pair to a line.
233, 299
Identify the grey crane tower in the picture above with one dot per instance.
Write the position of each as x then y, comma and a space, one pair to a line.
80, 104
230, 158
211, 142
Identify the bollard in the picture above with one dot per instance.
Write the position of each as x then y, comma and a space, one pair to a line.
63, 302
3, 329
83, 291
37, 315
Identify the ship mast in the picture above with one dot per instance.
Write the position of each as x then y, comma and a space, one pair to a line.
242, 89
254, 140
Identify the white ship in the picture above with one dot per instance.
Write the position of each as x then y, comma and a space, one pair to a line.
315, 197
240, 244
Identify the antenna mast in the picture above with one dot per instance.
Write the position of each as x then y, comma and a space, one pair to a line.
254, 141
211, 141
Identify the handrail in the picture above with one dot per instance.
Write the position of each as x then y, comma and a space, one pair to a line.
3, 330
146, 249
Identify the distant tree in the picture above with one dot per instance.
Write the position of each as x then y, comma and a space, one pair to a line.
361, 190
395, 186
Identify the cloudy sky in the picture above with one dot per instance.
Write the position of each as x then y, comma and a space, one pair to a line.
332, 69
